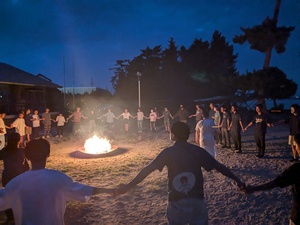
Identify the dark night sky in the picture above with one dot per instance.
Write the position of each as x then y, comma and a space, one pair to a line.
37, 35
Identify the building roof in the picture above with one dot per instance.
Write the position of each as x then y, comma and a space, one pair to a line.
12, 75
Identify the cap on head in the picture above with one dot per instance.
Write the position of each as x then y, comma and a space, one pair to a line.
181, 131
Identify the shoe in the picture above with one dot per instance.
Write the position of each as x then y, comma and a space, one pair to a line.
43, 137
48, 136
57, 136
61, 136
293, 160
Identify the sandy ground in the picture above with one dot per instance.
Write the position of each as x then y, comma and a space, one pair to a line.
146, 204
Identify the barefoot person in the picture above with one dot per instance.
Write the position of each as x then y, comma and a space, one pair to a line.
184, 161
39, 196
289, 177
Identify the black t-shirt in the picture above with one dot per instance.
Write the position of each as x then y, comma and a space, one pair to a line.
225, 117
184, 162
294, 121
291, 176
260, 122
235, 120
27, 118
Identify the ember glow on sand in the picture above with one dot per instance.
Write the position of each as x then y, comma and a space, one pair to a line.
96, 145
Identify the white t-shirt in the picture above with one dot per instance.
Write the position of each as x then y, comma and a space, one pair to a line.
60, 121
36, 122
140, 115
19, 124
2, 126
39, 196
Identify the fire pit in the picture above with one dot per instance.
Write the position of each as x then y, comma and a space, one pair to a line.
96, 147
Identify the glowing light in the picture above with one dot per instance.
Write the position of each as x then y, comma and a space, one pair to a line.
96, 145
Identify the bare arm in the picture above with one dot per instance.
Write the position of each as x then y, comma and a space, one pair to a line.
263, 187
97, 191
122, 188
228, 173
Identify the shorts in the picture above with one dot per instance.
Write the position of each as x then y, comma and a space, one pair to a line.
291, 140
167, 123
187, 211
28, 130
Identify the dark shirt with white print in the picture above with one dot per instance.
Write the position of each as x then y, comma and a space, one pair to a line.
260, 122
184, 161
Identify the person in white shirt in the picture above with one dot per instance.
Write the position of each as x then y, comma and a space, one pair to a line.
60, 120
35, 124
39, 196
140, 117
2, 131
19, 125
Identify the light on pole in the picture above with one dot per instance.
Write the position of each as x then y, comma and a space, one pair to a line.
139, 74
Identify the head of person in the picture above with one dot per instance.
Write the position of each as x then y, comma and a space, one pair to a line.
60, 114
3, 115
47, 110
216, 108
166, 109
37, 150
126, 110
258, 108
36, 112
233, 108
152, 110
78, 109
27, 111
295, 109
13, 140
21, 115
211, 105
197, 106
138, 109
223, 108
180, 131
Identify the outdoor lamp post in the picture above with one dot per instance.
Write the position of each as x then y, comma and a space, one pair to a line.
139, 74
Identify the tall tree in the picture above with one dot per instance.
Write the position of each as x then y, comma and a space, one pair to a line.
266, 36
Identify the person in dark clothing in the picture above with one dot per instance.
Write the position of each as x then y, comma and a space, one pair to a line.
236, 126
289, 177
186, 204
261, 123
225, 123
28, 123
294, 121
14, 164
182, 114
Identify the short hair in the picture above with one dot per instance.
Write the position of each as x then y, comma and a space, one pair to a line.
260, 106
37, 150
181, 131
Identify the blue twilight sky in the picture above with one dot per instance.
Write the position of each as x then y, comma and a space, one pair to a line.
38, 36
